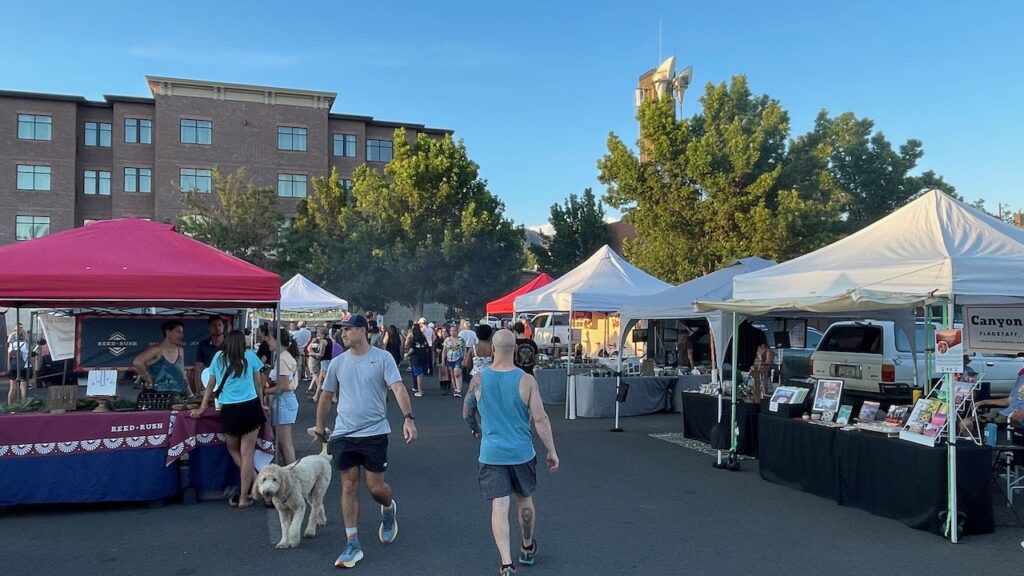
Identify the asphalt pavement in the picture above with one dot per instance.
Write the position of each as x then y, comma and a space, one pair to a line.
623, 503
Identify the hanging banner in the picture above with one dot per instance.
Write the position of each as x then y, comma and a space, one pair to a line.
994, 328
949, 351
114, 341
59, 332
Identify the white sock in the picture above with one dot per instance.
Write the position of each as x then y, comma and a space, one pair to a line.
352, 533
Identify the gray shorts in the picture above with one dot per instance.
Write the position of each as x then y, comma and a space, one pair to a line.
498, 481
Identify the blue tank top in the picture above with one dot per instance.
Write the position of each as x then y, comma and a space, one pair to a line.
504, 418
167, 377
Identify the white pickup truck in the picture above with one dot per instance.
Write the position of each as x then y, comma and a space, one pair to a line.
875, 356
550, 325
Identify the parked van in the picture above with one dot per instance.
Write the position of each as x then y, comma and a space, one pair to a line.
875, 356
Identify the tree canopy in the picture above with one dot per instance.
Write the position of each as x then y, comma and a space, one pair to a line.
426, 230
579, 231
237, 217
729, 182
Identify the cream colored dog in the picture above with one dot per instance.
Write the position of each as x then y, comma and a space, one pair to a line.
290, 488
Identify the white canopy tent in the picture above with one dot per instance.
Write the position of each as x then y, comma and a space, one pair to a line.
300, 294
677, 302
933, 249
603, 283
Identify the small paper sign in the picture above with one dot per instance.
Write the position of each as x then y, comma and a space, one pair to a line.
949, 351
102, 383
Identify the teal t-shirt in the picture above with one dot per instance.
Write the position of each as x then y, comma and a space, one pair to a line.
236, 388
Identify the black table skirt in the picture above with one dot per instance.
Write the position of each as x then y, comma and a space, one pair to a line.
700, 413
884, 476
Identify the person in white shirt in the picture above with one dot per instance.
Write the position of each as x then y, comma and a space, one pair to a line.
280, 386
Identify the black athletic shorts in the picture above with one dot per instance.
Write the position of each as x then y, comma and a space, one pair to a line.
370, 452
497, 481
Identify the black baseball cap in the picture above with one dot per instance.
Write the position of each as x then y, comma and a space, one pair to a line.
355, 321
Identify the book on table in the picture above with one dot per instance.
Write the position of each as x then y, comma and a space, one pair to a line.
868, 411
844, 414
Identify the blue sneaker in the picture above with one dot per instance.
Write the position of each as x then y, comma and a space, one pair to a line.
350, 555
527, 556
388, 530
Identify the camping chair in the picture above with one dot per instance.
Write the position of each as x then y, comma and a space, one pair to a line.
1009, 462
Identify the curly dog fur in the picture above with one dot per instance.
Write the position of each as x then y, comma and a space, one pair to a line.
290, 488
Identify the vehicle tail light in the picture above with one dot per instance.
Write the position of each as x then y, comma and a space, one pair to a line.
888, 373
810, 366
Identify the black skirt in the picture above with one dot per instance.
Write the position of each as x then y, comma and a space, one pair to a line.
241, 418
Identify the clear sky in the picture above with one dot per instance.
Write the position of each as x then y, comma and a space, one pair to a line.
534, 88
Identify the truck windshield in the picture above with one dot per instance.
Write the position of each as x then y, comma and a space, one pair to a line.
860, 339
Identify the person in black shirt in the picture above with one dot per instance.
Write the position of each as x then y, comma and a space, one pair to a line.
205, 350
525, 356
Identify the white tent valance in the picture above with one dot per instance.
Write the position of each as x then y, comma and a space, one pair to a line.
604, 283
934, 247
677, 302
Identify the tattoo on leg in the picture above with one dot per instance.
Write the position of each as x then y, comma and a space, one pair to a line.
526, 523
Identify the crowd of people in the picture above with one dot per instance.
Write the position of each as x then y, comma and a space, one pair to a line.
350, 366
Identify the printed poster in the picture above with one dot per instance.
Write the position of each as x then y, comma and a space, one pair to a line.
949, 351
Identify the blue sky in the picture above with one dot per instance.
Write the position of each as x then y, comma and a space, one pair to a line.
534, 88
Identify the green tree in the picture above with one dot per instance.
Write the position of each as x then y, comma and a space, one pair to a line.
239, 218
704, 190
846, 164
426, 230
579, 231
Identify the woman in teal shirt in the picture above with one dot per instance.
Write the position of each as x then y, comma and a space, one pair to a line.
235, 382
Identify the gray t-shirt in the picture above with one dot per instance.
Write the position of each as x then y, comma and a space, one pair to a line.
364, 382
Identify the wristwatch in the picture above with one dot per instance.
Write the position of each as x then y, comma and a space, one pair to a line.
409, 416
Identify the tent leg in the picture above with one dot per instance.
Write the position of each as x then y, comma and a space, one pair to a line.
734, 463
618, 381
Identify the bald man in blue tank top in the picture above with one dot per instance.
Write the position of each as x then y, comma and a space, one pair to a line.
507, 400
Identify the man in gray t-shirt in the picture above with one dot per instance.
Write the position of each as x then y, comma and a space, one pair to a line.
361, 378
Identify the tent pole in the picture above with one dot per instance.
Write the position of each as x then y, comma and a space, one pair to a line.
17, 339
276, 359
618, 370
735, 379
570, 393
952, 523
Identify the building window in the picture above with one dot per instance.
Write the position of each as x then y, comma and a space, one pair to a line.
33, 177
197, 180
138, 180
97, 134
291, 138
379, 150
29, 227
291, 185
196, 131
97, 183
138, 131
34, 127
345, 145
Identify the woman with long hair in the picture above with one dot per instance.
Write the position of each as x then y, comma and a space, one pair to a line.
417, 350
393, 343
281, 384
235, 383
454, 351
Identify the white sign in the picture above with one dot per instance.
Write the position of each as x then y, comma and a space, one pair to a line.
949, 351
59, 332
994, 328
102, 383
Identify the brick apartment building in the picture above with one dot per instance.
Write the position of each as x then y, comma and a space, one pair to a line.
66, 160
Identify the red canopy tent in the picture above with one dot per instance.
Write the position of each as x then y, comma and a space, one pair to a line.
506, 304
129, 261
